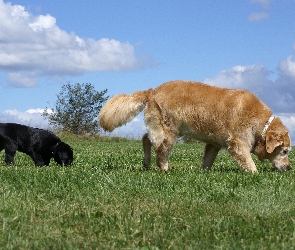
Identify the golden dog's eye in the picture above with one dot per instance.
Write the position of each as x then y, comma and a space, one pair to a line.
285, 152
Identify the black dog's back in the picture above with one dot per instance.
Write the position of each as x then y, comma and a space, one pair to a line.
11, 135
37, 143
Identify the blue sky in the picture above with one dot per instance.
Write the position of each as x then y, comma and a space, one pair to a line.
131, 45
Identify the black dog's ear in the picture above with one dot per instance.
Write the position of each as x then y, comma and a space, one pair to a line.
63, 154
53, 151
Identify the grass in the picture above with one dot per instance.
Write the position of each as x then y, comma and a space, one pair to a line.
106, 201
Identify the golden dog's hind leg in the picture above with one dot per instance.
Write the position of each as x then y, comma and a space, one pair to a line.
147, 146
210, 153
162, 154
241, 153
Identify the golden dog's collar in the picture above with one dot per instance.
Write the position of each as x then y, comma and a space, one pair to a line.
266, 126
263, 133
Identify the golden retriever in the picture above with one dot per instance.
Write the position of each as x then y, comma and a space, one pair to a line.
222, 118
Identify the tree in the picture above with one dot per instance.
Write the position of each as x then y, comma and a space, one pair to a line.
76, 108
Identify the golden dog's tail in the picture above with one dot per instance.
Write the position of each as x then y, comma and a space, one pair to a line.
121, 109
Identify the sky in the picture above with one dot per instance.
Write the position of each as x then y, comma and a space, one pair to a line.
131, 45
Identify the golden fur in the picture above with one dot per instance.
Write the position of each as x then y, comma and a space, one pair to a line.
220, 117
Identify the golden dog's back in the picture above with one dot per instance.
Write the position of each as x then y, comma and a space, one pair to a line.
208, 109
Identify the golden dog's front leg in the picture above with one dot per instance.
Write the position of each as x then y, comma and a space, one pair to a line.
147, 145
241, 153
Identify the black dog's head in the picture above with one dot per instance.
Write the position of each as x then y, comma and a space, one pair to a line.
62, 153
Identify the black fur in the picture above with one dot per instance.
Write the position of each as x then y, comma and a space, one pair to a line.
39, 144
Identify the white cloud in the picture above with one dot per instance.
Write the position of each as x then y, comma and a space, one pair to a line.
31, 117
279, 94
25, 40
258, 16
289, 121
285, 86
22, 78
43, 22
263, 3
37, 111
251, 77
287, 68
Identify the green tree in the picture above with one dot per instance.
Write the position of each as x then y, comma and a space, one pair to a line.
76, 108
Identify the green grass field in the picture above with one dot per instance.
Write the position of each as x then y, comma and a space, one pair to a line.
106, 201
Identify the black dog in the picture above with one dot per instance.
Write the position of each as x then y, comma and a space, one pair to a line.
39, 144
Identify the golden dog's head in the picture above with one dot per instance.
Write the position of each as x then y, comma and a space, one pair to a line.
276, 146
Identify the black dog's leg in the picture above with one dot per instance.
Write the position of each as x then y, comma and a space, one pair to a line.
39, 160
9, 155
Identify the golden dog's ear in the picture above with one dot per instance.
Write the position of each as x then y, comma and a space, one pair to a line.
273, 140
